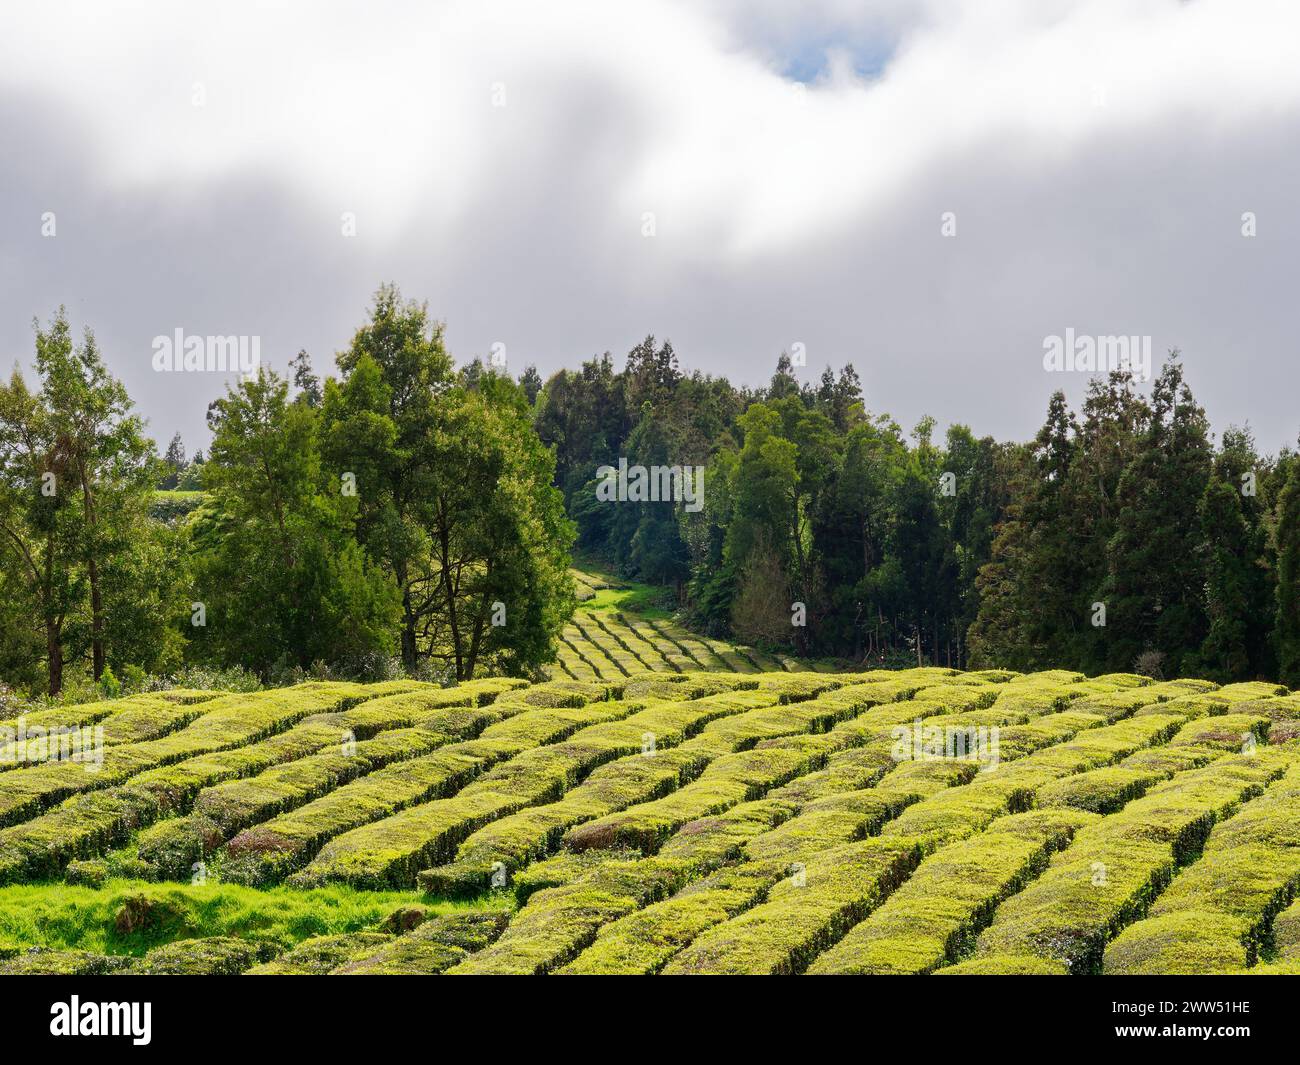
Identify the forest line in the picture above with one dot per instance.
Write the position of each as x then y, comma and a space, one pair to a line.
407, 517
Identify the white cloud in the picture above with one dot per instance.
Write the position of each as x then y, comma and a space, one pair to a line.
389, 105
766, 196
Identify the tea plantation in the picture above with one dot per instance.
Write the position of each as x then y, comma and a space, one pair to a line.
668, 819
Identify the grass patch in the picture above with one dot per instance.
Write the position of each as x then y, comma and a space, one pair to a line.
114, 919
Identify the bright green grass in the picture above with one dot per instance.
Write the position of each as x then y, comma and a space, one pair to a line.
65, 917
639, 598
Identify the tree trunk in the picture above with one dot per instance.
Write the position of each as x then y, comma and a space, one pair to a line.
92, 572
96, 619
475, 643
54, 648
408, 619
453, 619
408, 644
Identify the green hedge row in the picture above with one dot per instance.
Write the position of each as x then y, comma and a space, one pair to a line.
87, 824
694, 651
768, 835
630, 642
569, 898
662, 647
126, 720
619, 641
806, 914
1116, 867
729, 780
643, 941
102, 709
559, 921
269, 851
567, 902
734, 656
593, 656
222, 810
616, 651
961, 812
760, 830
1222, 905
279, 846
229, 721
634, 778
803, 915
393, 851
320, 955
431, 948
935, 915
619, 786
1286, 934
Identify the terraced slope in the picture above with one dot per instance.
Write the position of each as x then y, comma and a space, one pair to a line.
616, 634
694, 819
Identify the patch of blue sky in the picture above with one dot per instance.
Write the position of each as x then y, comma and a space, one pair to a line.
812, 61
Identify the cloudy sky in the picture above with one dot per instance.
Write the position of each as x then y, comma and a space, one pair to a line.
794, 163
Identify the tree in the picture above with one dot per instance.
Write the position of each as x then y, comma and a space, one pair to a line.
583, 417
304, 380
381, 424
1253, 480
280, 578
762, 611
978, 496
646, 533
651, 374
1002, 633
41, 524
783, 383
108, 457
22, 653
1155, 587
1225, 650
1030, 588
916, 540
1287, 626
498, 587
76, 476
454, 495
850, 532
173, 462
531, 382
1239, 600
764, 490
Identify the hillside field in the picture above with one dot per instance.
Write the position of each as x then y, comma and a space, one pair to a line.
672, 819
617, 632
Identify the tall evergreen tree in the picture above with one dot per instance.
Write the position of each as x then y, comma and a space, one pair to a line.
109, 460
1225, 651
173, 462
1287, 627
